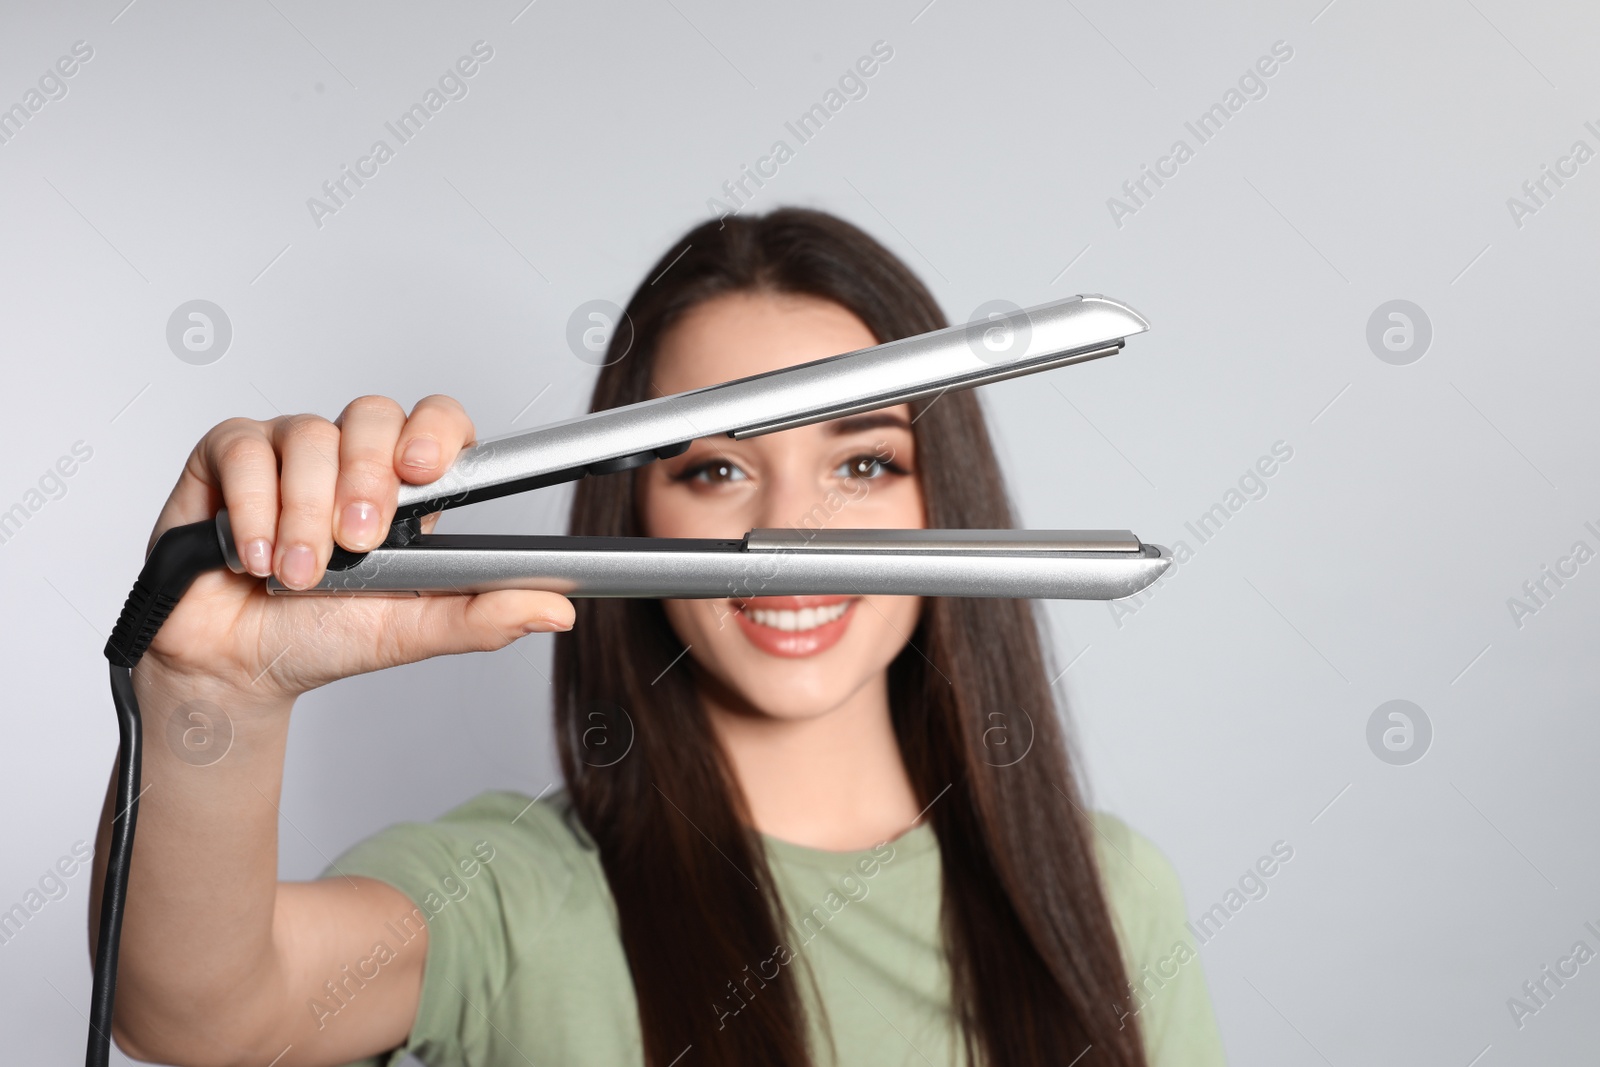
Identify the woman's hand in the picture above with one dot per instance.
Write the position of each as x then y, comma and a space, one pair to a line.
217, 955
294, 486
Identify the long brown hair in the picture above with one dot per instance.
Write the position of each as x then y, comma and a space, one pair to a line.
1036, 974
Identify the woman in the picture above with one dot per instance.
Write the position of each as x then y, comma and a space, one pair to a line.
795, 830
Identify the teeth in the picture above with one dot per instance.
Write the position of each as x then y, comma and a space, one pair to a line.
804, 619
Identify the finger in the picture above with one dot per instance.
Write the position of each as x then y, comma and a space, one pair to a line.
242, 461
308, 448
432, 438
197, 494
364, 501
447, 625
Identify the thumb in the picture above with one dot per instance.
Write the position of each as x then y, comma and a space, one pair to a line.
446, 625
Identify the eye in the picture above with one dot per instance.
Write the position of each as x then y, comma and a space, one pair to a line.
711, 472
866, 467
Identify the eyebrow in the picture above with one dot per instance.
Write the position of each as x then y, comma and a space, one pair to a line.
870, 421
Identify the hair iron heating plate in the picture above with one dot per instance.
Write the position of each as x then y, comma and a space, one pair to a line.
1052, 564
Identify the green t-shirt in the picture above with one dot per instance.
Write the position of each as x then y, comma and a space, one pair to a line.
525, 964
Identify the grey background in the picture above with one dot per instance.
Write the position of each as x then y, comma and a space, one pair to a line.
1230, 712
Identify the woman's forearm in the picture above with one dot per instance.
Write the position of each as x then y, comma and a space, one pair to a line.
197, 933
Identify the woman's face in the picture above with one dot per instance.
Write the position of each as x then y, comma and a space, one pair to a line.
788, 657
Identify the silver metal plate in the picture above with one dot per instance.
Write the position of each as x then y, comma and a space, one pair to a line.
703, 569
855, 381
959, 542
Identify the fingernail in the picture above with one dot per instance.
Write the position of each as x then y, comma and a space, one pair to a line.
546, 626
258, 557
421, 454
358, 524
297, 565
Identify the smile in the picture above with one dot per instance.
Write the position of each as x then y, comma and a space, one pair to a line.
804, 619
795, 626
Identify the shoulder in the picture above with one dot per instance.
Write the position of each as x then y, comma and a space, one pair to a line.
541, 826
488, 879
1138, 878
1167, 990
1142, 889
501, 847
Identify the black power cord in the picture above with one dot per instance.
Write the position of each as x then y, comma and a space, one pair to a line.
180, 555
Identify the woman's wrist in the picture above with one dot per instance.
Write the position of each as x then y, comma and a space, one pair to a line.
163, 690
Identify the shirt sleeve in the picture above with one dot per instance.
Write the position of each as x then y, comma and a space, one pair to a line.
1168, 998
484, 895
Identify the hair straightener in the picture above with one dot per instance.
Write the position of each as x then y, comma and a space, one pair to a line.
1050, 564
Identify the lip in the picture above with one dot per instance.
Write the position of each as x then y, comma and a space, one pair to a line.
793, 644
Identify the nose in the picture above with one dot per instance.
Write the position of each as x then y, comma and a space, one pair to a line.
792, 495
